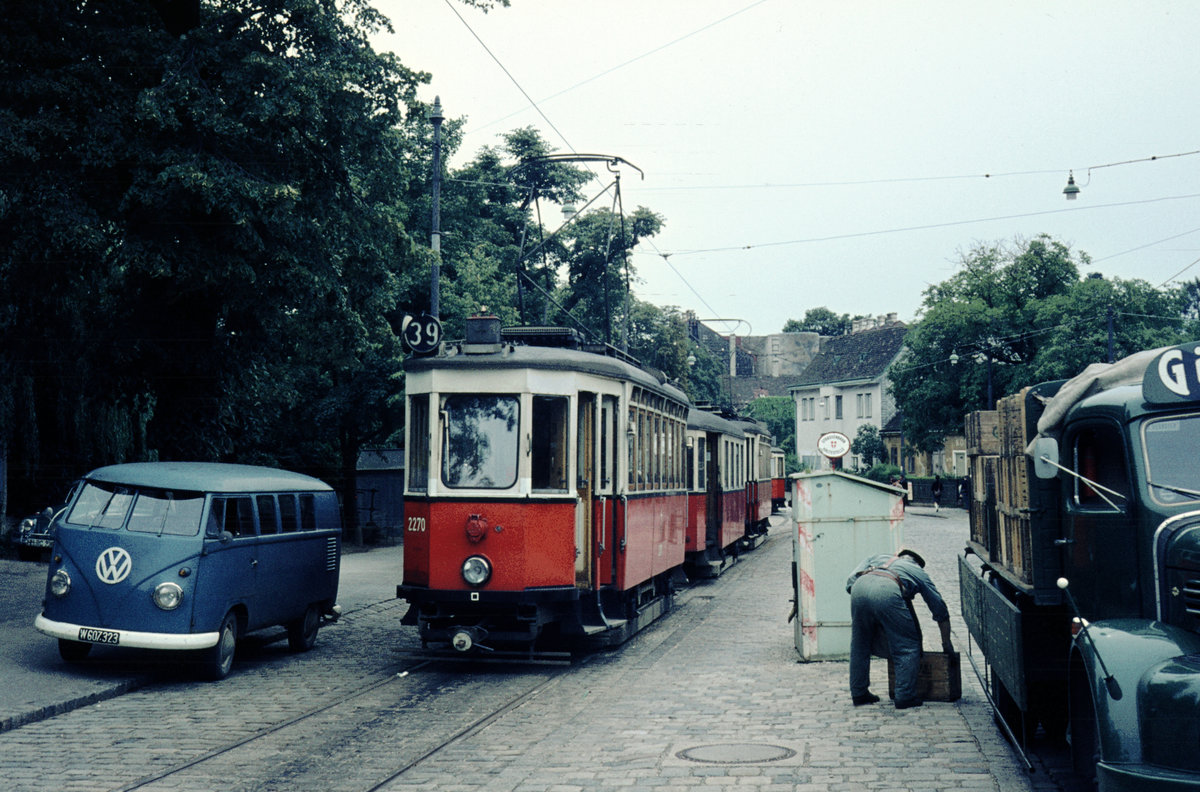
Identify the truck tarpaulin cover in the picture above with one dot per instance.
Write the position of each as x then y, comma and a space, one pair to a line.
1093, 379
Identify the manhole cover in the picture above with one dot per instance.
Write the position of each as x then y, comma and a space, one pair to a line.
736, 753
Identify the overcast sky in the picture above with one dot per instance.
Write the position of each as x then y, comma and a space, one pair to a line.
837, 154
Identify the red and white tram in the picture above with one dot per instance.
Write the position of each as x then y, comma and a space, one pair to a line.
545, 494
778, 479
757, 461
716, 492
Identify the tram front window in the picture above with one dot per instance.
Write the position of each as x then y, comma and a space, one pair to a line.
480, 441
1173, 458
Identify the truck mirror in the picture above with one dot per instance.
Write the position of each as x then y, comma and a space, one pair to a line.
1044, 451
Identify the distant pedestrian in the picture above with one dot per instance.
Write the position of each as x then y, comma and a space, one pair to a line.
936, 489
883, 622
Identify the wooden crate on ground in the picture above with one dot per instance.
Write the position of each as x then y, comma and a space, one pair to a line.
940, 677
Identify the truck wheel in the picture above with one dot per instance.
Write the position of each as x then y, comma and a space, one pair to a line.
73, 651
1085, 735
302, 633
217, 661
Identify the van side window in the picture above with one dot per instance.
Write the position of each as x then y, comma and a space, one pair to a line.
164, 512
235, 515
267, 522
308, 513
287, 514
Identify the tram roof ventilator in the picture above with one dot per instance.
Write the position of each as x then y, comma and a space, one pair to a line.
485, 336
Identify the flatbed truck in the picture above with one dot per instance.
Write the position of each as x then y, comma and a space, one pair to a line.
1080, 583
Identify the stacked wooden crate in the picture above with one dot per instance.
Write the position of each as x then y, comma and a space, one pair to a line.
983, 446
1012, 488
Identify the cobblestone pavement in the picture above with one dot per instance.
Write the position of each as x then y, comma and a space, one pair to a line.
711, 696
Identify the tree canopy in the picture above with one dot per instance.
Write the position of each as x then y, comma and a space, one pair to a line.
215, 221
1019, 313
204, 232
820, 320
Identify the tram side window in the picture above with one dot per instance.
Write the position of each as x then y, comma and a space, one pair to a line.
631, 438
418, 443
235, 515
550, 443
1100, 457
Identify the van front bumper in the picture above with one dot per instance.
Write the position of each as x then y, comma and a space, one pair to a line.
129, 638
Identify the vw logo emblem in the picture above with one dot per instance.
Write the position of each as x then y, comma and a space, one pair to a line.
113, 565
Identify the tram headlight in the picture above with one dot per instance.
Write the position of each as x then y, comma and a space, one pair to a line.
167, 595
476, 570
60, 583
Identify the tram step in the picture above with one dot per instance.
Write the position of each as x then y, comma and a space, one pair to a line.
595, 629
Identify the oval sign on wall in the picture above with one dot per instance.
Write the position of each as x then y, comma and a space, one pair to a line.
833, 445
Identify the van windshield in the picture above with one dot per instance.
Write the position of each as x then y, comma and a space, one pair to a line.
101, 505
106, 505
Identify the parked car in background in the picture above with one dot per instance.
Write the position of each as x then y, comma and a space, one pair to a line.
35, 535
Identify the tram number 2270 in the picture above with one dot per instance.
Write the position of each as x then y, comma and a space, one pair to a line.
416, 524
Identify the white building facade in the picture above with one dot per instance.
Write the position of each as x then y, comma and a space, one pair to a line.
846, 387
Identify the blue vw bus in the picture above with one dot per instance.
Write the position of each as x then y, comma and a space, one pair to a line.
189, 556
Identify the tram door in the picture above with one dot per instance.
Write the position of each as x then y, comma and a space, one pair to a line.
585, 487
714, 507
606, 551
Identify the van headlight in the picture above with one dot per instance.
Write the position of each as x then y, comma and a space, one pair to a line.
167, 595
60, 583
476, 570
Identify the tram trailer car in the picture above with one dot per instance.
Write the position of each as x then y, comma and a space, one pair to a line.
757, 462
545, 500
716, 493
1081, 579
778, 480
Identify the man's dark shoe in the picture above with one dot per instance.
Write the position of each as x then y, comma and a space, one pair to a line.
908, 704
865, 698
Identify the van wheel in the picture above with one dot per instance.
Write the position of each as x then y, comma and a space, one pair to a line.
302, 633
218, 660
73, 651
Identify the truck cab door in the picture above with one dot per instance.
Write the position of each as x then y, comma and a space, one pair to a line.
1100, 551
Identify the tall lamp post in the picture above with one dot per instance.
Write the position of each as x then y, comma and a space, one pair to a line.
435, 242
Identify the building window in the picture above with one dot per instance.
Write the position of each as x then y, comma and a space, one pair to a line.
837, 407
858, 402
866, 405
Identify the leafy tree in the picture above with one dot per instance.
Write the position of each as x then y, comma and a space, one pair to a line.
820, 320
206, 231
599, 272
779, 414
1013, 315
868, 445
491, 210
